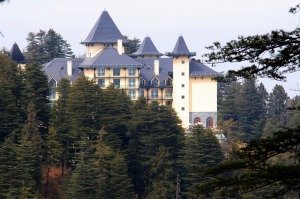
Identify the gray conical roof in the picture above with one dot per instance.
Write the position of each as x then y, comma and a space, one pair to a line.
147, 48
104, 31
16, 54
181, 49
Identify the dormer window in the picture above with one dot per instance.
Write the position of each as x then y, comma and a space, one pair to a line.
142, 82
169, 82
52, 83
154, 82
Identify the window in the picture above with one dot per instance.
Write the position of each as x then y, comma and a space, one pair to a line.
131, 71
141, 94
142, 82
116, 83
154, 93
182, 85
52, 94
182, 108
131, 94
52, 83
168, 93
101, 72
182, 96
169, 103
131, 82
182, 62
209, 122
116, 72
154, 82
197, 121
169, 82
101, 83
182, 74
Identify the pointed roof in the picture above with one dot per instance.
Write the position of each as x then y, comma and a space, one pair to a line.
147, 48
181, 49
16, 54
104, 31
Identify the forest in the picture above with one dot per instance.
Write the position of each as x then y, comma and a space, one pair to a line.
97, 143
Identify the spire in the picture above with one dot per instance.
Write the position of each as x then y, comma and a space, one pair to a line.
16, 54
180, 49
104, 31
147, 48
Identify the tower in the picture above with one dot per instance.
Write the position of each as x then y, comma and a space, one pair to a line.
181, 86
104, 33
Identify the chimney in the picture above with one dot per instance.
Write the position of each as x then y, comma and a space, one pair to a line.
120, 47
69, 68
156, 67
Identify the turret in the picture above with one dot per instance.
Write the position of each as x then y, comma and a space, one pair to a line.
181, 71
104, 33
147, 49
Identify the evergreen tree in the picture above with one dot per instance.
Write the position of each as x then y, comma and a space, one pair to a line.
60, 124
277, 106
120, 185
36, 91
115, 112
83, 108
250, 109
132, 45
148, 133
8, 159
44, 46
277, 102
202, 150
9, 88
83, 183
253, 167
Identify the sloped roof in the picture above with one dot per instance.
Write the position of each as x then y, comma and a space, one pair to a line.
57, 69
147, 73
147, 48
104, 31
199, 69
181, 49
109, 57
16, 54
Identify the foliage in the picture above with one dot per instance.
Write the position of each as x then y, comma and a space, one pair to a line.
270, 164
132, 45
44, 46
202, 150
154, 150
254, 168
269, 55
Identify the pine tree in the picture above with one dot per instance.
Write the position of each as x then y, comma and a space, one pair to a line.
9, 88
202, 150
83, 182
60, 124
83, 109
148, 133
44, 46
37, 91
115, 112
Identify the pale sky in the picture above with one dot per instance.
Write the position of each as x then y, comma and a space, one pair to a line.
200, 22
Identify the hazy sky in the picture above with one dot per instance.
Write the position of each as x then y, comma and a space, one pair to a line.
201, 22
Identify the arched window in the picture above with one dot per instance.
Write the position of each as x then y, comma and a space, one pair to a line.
52, 83
197, 120
209, 122
154, 82
169, 82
